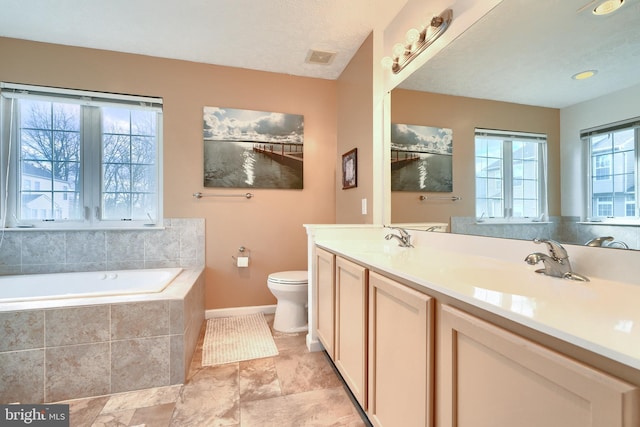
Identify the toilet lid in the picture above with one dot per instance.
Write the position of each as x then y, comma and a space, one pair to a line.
289, 277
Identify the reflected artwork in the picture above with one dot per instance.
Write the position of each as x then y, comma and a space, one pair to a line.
421, 158
252, 149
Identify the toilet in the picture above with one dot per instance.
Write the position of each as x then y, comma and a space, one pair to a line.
290, 289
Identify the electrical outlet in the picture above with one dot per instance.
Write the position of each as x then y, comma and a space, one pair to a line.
364, 206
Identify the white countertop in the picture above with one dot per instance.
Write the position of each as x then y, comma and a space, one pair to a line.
602, 316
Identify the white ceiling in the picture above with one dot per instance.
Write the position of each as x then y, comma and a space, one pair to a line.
526, 51
526, 54
267, 35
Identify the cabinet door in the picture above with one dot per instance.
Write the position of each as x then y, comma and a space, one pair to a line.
325, 298
351, 323
489, 377
400, 385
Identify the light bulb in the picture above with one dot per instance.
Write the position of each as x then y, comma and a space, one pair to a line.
398, 49
412, 36
387, 62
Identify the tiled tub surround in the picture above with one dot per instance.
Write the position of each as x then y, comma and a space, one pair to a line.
180, 243
61, 349
96, 346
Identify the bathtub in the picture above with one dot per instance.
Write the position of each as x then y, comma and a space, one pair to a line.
74, 335
33, 287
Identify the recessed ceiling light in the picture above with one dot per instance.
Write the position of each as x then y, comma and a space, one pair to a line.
583, 75
607, 7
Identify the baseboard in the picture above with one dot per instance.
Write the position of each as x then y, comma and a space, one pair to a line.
314, 345
239, 311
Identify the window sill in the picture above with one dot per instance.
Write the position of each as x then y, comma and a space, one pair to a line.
515, 222
616, 223
30, 229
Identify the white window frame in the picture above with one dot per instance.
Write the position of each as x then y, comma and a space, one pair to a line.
508, 179
586, 137
91, 153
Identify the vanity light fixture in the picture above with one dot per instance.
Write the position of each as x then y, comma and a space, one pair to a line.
417, 41
607, 7
583, 75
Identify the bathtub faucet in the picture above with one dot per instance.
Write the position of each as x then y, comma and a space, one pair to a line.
404, 238
556, 264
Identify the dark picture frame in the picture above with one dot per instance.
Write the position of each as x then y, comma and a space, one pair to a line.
350, 169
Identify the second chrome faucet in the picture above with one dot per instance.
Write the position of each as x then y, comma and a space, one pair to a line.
404, 238
556, 264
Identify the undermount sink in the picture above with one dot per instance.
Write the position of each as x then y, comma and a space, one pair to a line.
495, 279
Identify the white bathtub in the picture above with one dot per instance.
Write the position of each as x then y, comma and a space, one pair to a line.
36, 287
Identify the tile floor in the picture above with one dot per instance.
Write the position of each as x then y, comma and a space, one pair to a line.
296, 388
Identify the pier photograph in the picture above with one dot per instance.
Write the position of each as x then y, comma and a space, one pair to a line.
252, 149
421, 158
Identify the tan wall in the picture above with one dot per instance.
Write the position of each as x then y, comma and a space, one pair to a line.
270, 224
463, 115
355, 130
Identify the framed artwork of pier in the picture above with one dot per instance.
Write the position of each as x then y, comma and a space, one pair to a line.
350, 169
252, 149
421, 158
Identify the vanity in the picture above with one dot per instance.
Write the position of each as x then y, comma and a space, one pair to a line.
459, 331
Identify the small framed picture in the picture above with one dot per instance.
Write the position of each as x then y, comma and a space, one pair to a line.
350, 169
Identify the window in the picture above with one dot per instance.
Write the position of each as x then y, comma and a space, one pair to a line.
81, 159
510, 174
613, 165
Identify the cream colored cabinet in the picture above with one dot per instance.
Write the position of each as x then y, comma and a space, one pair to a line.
400, 388
325, 298
351, 326
489, 377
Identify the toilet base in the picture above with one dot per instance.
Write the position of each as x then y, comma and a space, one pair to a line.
299, 329
290, 317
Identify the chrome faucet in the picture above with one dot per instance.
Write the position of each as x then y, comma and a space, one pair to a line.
607, 241
618, 244
404, 239
556, 264
599, 241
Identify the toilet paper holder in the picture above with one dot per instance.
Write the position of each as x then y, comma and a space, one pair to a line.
241, 260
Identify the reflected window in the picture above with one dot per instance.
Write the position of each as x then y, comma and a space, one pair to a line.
510, 174
613, 170
489, 296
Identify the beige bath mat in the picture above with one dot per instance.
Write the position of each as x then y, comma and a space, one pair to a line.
233, 339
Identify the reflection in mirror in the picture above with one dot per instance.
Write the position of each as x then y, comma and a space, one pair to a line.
512, 71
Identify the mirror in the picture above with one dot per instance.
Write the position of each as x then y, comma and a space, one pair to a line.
512, 70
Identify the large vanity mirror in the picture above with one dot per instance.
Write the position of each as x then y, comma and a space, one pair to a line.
513, 71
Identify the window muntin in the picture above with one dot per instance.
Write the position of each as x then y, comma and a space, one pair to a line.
510, 175
81, 159
613, 174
